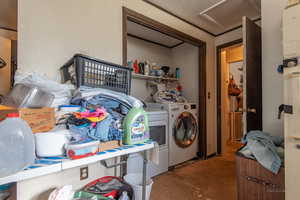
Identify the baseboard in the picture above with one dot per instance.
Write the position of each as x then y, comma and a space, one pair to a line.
211, 155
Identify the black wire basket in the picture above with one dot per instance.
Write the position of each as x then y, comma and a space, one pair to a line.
83, 70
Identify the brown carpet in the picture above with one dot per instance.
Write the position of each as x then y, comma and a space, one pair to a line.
212, 179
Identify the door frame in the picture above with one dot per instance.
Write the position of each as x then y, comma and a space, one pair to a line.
219, 92
133, 16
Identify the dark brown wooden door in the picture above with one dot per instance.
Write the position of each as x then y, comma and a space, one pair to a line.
252, 76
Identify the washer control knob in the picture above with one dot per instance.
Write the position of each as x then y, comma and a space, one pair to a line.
186, 107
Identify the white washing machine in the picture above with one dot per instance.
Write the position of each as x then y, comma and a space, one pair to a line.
183, 132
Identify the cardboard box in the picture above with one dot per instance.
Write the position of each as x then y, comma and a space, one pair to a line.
104, 146
39, 119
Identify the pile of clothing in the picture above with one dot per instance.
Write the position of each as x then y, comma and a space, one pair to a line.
102, 113
268, 150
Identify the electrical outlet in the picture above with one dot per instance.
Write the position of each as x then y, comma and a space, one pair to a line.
84, 173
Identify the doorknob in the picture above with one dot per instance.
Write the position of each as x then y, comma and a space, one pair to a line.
250, 110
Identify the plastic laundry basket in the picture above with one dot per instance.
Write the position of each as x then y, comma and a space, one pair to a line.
136, 182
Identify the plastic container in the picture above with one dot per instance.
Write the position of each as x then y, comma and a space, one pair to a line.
136, 127
82, 70
135, 180
29, 96
16, 145
51, 144
82, 149
177, 73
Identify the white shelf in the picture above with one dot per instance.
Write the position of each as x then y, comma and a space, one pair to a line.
31, 173
124, 150
38, 170
146, 77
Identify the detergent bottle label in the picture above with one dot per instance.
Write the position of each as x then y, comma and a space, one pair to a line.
138, 129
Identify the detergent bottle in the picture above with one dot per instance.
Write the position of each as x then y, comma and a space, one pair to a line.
136, 128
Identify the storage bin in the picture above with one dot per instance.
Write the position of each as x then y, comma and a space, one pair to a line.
254, 182
135, 180
82, 70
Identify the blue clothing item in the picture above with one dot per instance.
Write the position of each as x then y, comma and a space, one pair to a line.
115, 134
87, 93
102, 129
262, 147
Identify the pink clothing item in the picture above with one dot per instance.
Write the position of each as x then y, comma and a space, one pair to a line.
97, 113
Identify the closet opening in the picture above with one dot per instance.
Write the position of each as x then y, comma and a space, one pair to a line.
171, 40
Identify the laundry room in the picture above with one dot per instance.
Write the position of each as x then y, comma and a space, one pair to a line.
166, 77
149, 100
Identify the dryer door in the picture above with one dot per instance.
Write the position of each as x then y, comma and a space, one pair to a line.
185, 130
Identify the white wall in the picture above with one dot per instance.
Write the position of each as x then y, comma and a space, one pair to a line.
145, 51
52, 31
186, 57
5, 54
272, 56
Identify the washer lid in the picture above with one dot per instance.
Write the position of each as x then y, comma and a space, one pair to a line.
185, 130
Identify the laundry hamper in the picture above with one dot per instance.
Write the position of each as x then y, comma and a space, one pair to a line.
254, 182
83, 70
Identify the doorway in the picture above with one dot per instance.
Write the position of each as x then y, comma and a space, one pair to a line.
251, 92
230, 96
8, 44
132, 16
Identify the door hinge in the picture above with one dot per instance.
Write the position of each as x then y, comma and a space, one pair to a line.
288, 109
291, 62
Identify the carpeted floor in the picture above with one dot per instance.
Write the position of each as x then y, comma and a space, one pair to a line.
212, 179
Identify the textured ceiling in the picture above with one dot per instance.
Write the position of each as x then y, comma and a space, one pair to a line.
217, 20
8, 14
151, 35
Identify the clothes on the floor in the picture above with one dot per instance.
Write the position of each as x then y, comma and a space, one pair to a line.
264, 148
